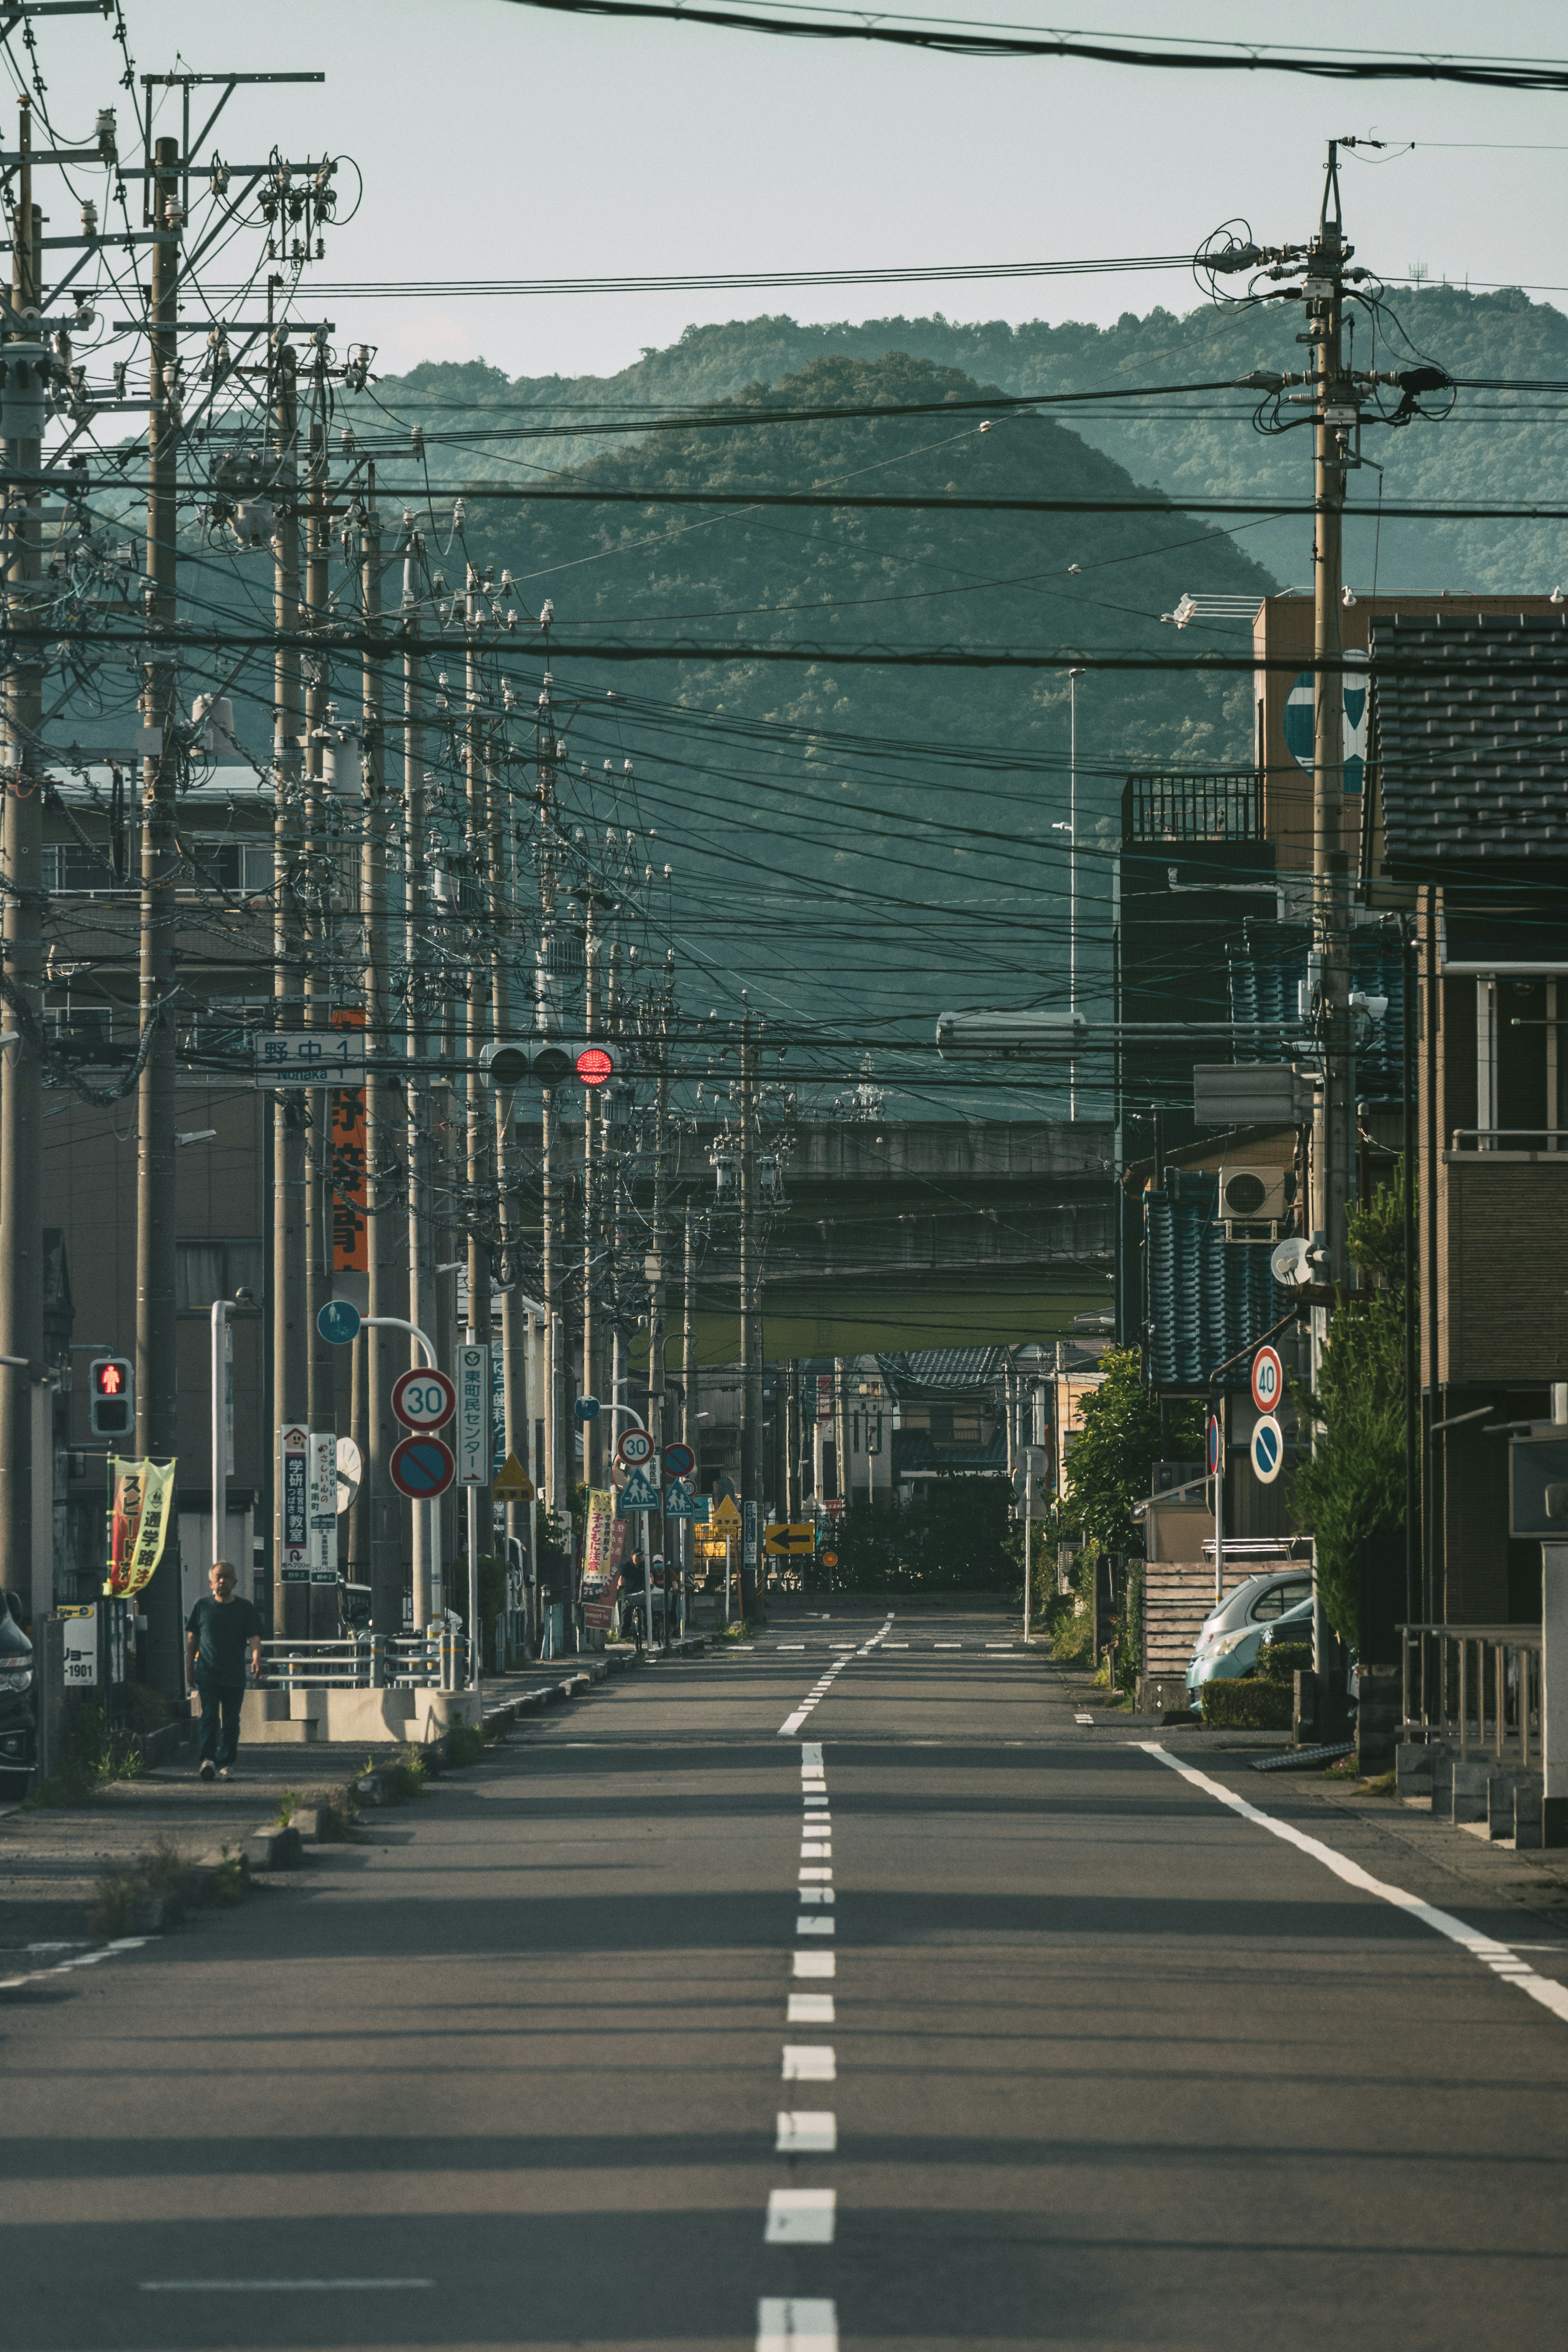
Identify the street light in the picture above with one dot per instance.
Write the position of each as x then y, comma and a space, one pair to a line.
1073, 676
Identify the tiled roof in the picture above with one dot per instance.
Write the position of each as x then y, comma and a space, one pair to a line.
1209, 1299
1267, 968
945, 1372
1471, 743
915, 1450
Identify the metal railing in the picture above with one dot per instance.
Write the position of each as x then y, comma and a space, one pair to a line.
1216, 805
1493, 1139
1475, 1687
434, 1661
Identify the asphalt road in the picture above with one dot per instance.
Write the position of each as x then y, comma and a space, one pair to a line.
1075, 2056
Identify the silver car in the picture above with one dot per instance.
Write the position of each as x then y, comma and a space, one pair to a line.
1232, 1633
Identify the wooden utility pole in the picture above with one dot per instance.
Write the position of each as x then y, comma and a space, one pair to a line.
157, 1371
591, 1155
750, 1328
416, 900
477, 1127
320, 1381
21, 1083
383, 1117
1334, 1139
291, 1602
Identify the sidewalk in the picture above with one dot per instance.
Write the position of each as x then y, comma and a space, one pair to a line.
51, 1860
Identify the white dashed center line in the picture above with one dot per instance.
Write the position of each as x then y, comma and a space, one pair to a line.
800, 2216
799, 2325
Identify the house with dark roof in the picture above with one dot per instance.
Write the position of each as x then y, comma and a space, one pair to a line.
1467, 819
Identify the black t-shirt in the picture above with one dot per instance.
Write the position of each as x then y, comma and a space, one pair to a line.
223, 1630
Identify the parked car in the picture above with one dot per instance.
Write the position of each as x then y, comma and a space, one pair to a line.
1232, 1633
18, 1729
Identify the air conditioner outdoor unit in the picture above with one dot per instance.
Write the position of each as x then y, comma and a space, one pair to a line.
1252, 1203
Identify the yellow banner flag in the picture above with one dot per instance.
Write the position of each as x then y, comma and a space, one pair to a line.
138, 1524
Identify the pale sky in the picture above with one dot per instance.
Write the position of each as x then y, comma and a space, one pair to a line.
498, 142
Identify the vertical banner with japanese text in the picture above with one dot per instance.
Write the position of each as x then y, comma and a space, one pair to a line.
347, 1172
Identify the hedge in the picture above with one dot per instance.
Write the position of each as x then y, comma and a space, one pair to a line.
1279, 1662
1239, 1704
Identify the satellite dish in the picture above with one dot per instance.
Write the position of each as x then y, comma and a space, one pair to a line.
1290, 1264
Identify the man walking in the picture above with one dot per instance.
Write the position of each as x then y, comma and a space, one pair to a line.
223, 1635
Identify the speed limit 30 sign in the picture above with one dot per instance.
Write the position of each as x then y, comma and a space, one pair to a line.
424, 1400
1267, 1380
635, 1447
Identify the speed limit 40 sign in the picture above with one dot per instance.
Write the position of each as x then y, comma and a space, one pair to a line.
1267, 1380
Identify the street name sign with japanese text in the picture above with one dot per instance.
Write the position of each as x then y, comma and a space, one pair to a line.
471, 1436
321, 1057
322, 1489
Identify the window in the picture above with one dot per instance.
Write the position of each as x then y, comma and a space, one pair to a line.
215, 1269
1278, 1599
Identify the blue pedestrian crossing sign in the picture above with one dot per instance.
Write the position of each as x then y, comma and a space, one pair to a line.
638, 1494
338, 1321
1267, 1448
680, 1503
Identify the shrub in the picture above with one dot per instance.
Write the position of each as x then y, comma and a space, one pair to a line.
1245, 1705
1280, 1662
464, 1743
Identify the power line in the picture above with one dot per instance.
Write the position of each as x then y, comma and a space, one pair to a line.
947, 38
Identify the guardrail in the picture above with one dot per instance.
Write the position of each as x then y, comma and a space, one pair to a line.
434, 1661
1474, 1688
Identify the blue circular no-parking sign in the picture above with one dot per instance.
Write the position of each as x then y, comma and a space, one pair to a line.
421, 1467
1267, 1448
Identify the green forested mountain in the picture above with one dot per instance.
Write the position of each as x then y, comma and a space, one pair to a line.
1496, 444
884, 830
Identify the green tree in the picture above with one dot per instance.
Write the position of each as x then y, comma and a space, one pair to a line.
1111, 1460
1349, 1494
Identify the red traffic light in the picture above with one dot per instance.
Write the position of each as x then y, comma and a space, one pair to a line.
595, 1065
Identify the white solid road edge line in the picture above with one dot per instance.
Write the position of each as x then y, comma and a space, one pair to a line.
1501, 1958
783, 2325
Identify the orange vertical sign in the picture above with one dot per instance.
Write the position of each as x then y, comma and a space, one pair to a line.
350, 1198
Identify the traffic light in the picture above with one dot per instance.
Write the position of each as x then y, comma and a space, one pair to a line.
111, 1392
544, 1061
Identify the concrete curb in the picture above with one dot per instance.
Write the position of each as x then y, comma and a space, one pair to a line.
374, 1787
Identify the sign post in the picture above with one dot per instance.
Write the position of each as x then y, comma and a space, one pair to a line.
294, 1475
322, 1505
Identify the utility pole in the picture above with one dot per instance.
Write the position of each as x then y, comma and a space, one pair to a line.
655, 1270
291, 1604
751, 1331
21, 1108
381, 1115
477, 1158
416, 905
590, 1192
792, 1440
1335, 426
688, 1430
157, 1425
321, 1383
